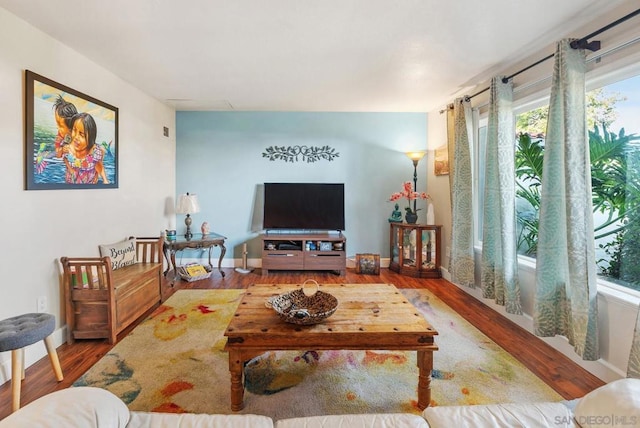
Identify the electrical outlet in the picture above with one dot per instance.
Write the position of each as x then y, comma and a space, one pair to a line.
42, 304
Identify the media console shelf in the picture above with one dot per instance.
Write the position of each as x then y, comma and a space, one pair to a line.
314, 251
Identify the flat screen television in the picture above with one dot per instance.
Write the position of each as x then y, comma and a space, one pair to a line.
304, 206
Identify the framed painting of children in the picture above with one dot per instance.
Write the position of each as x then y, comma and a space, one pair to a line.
71, 139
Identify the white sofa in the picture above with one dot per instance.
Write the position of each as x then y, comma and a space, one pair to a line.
614, 404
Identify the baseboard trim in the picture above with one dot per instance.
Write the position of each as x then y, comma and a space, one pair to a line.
601, 368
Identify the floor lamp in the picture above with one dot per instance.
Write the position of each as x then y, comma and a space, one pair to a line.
415, 157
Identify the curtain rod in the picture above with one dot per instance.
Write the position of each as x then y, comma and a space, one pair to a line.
534, 83
582, 43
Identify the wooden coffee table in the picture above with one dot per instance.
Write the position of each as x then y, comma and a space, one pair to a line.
369, 316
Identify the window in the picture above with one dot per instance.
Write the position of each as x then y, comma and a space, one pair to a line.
614, 144
530, 129
481, 154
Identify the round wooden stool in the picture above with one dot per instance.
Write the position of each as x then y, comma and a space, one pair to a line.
23, 330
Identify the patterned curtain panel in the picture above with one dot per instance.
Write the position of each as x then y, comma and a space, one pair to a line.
565, 301
461, 262
633, 369
499, 254
451, 145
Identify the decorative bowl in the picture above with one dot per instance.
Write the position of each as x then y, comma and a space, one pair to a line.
299, 307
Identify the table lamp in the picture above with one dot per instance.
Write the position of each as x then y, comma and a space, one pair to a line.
188, 204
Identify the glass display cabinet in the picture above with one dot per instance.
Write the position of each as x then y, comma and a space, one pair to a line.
415, 249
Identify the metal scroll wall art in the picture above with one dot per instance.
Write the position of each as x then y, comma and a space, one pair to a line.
300, 153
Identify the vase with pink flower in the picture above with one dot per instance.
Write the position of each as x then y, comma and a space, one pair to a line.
408, 193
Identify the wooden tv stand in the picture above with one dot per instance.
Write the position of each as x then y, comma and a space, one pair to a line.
313, 251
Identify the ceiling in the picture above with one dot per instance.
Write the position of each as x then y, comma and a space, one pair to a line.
304, 55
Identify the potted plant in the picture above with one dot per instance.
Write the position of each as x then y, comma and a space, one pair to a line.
411, 214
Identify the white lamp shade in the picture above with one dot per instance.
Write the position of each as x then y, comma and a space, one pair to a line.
187, 204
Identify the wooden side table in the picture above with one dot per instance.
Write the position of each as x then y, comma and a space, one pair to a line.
198, 241
415, 249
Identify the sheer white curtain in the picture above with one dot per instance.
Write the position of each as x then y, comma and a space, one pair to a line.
461, 262
499, 254
565, 301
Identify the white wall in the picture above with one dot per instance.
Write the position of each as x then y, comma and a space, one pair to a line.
438, 186
38, 227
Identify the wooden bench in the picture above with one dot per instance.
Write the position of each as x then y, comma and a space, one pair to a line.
100, 301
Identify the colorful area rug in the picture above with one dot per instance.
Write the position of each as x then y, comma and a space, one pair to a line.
174, 362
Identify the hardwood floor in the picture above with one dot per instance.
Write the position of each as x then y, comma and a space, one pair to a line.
558, 371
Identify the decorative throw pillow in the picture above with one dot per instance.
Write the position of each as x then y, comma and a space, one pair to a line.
614, 404
122, 253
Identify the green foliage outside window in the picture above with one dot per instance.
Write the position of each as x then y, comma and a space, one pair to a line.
615, 179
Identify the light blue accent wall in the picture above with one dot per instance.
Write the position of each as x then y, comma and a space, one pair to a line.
219, 156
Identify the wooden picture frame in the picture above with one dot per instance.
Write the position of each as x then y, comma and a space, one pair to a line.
368, 264
441, 161
326, 246
55, 157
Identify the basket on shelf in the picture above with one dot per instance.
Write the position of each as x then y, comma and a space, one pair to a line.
297, 307
193, 272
